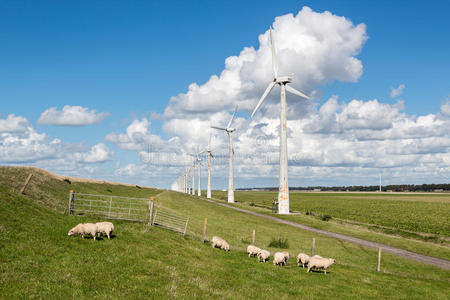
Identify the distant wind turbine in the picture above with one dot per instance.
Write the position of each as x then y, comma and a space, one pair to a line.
193, 179
208, 150
199, 166
229, 130
282, 81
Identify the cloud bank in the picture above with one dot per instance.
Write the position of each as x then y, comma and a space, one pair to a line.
71, 116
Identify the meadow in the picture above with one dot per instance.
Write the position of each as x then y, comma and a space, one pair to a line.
39, 260
422, 213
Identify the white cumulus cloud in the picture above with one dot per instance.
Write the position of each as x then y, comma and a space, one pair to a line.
71, 116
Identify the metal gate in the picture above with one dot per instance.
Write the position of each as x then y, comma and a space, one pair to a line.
111, 207
170, 221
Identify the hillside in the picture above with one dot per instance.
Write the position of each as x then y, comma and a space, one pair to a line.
38, 259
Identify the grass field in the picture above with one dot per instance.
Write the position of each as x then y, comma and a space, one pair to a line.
39, 260
423, 213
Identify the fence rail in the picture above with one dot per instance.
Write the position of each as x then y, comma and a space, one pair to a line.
112, 207
170, 221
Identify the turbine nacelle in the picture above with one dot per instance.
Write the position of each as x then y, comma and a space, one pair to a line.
283, 79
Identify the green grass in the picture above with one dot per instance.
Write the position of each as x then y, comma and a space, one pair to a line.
437, 247
413, 212
39, 260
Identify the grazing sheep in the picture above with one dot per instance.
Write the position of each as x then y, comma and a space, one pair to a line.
83, 229
252, 250
218, 242
263, 255
303, 259
105, 227
279, 258
320, 263
286, 256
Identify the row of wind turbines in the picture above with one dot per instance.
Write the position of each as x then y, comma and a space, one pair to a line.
186, 182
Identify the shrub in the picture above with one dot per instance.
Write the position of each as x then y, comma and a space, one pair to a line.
325, 218
67, 180
280, 242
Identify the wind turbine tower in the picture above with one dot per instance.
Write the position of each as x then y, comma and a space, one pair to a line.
199, 165
229, 130
282, 81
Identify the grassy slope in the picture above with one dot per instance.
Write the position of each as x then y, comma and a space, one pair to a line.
39, 259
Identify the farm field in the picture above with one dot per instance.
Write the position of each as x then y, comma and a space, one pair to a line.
423, 213
38, 259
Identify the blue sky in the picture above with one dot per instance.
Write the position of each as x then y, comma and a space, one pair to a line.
129, 58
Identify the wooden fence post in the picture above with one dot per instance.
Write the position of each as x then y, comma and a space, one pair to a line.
150, 213
71, 199
204, 230
379, 260
26, 183
313, 246
253, 237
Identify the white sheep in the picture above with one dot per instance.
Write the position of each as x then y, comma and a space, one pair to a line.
286, 256
279, 258
83, 229
303, 259
320, 263
105, 227
252, 250
218, 242
263, 255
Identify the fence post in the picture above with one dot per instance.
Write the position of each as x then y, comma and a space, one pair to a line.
185, 226
204, 230
110, 204
253, 237
71, 199
150, 214
313, 246
26, 183
379, 260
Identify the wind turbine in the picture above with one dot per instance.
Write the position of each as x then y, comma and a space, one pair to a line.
282, 81
208, 150
229, 130
199, 165
189, 181
193, 179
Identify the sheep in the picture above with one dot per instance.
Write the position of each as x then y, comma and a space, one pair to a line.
105, 227
279, 258
263, 255
218, 242
320, 263
303, 259
252, 250
83, 229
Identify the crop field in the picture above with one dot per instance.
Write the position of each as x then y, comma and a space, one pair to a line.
424, 213
39, 260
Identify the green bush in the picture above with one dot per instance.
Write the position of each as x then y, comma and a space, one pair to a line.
280, 242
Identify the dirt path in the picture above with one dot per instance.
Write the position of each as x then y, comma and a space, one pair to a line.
438, 262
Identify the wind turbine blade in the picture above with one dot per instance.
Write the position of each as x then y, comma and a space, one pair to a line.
274, 58
220, 128
232, 118
295, 92
267, 91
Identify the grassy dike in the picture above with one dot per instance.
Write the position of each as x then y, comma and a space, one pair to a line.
38, 259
